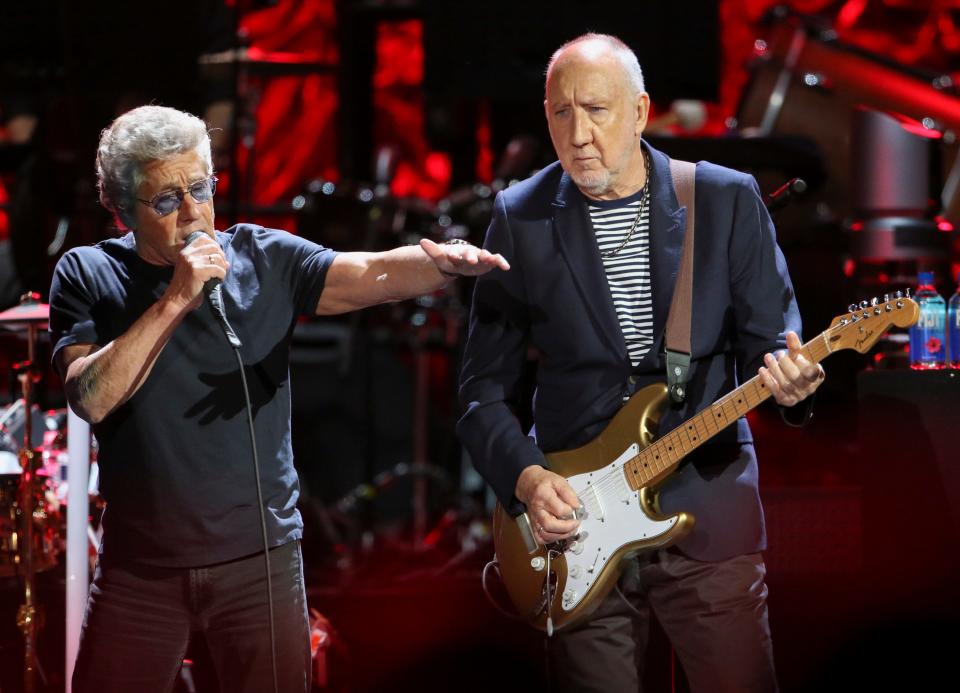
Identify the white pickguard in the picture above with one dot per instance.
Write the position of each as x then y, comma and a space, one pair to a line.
614, 518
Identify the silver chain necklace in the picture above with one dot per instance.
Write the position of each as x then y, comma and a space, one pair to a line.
642, 207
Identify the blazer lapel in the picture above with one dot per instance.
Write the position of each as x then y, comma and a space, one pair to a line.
667, 222
571, 223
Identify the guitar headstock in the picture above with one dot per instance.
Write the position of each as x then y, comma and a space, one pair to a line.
861, 327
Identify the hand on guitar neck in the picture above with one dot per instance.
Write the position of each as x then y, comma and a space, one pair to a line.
790, 376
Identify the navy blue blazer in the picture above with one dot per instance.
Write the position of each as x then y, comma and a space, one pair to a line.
556, 298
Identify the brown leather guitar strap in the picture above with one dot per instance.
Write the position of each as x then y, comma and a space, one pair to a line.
680, 317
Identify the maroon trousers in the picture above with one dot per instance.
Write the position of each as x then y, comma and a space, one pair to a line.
714, 613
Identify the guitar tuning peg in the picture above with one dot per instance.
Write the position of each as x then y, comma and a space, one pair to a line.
874, 301
852, 307
899, 294
864, 304
886, 298
906, 293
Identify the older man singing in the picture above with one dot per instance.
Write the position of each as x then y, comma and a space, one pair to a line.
144, 359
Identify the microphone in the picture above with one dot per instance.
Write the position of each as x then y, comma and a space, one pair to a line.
779, 197
213, 290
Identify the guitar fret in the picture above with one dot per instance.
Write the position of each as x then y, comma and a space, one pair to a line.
659, 451
635, 477
688, 440
710, 423
720, 417
701, 425
644, 466
673, 443
650, 468
638, 470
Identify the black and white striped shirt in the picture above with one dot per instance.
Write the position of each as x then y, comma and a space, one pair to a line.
628, 272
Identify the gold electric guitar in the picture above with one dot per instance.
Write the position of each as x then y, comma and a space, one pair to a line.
616, 477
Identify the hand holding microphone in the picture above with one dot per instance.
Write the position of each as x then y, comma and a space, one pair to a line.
203, 267
199, 261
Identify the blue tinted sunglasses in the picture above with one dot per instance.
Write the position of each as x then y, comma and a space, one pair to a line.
169, 201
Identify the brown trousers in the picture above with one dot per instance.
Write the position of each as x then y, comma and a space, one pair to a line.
715, 615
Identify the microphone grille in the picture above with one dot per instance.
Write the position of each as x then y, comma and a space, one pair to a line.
192, 236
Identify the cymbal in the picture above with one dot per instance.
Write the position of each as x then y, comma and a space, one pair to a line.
258, 61
27, 314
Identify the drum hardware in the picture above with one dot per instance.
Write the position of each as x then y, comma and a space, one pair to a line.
31, 315
246, 67
805, 81
260, 62
12, 421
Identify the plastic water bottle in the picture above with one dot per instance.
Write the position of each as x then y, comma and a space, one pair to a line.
928, 337
953, 326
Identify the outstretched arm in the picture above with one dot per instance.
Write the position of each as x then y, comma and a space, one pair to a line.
358, 280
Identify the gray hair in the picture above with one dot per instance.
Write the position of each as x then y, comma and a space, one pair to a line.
621, 51
145, 134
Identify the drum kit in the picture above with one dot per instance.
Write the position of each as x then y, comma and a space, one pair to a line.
33, 483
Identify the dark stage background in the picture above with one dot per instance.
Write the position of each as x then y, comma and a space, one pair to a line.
369, 124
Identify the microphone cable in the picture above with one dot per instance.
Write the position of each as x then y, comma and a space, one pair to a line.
263, 521
213, 289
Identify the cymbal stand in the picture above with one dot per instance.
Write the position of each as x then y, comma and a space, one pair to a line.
445, 304
27, 613
420, 434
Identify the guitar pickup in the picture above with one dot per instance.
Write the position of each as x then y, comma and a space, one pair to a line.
590, 499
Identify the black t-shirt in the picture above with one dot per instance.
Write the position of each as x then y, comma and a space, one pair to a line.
175, 461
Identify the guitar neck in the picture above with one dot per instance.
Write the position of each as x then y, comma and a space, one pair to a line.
660, 458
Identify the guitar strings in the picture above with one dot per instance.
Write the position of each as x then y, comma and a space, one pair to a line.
612, 479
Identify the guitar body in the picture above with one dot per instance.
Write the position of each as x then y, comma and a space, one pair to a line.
617, 475
619, 523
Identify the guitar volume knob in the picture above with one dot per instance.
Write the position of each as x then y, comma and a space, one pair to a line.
538, 563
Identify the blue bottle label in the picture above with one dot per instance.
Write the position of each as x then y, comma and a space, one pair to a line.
954, 330
928, 336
